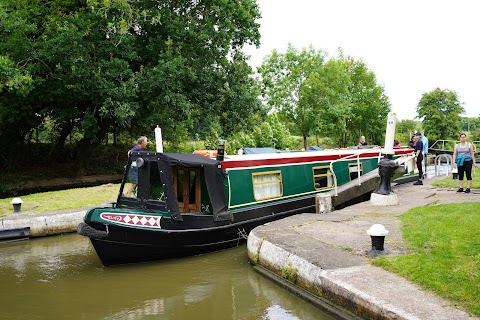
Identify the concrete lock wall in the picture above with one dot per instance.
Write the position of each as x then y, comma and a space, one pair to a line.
45, 225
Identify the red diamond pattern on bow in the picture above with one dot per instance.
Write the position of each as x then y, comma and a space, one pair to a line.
132, 219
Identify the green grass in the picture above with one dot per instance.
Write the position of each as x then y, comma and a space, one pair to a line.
448, 182
445, 252
62, 200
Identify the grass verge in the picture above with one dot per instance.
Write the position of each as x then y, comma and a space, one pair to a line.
63, 200
445, 252
451, 183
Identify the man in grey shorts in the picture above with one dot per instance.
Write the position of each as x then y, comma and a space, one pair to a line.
133, 170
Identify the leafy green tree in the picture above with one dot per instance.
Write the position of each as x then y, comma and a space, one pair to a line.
326, 92
211, 141
263, 136
125, 66
283, 78
439, 111
471, 126
369, 104
405, 129
281, 133
13, 78
339, 98
239, 140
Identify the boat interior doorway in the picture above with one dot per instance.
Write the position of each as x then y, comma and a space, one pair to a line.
187, 188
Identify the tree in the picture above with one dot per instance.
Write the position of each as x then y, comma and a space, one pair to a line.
439, 111
13, 78
471, 126
369, 104
338, 98
283, 78
405, 129
327, 94
110, 66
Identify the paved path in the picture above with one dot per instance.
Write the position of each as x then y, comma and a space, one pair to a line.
329, 252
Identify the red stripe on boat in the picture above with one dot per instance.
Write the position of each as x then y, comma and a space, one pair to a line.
234, 163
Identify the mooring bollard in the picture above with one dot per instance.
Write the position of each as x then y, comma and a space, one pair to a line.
377, 233
17, 204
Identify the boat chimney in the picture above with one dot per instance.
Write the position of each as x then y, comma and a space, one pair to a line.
221, 150
158, 139
390, 135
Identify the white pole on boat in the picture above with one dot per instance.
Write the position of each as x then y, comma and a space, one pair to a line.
390, 135
384, 196
158, 139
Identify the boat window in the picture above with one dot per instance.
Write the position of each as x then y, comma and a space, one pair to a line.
322, 178
179, 184
144, 182
156, 187
267, 185
191, 182
187, 187
354, 170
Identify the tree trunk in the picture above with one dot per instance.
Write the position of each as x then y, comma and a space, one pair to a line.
305, 142
64, 132
114, 135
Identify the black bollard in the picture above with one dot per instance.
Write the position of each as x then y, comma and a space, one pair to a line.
377, 233
386, 168
377, 246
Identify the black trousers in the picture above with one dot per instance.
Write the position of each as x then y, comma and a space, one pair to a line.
465, 168
419, 166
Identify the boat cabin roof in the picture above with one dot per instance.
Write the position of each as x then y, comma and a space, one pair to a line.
249, 160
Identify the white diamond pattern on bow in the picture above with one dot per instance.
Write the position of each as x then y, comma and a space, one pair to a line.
132, 220
135, 220
152, 221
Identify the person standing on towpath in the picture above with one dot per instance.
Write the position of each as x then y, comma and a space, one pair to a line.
464, 159
425, 148
418, 149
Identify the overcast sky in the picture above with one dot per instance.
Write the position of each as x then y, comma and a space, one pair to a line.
412, 46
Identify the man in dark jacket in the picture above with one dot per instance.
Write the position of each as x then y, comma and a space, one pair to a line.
418, 149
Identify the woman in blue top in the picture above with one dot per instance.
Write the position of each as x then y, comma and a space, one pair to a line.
464, 159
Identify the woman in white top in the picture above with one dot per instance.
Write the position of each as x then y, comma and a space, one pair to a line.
464, 159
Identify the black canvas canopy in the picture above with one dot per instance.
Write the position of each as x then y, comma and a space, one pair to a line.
212, 171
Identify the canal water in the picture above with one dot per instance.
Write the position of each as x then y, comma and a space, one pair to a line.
61, 277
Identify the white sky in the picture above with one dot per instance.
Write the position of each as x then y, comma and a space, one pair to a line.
412, 47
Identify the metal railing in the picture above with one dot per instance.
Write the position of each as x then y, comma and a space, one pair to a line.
438, 163
346, 158
442, 142
474, 143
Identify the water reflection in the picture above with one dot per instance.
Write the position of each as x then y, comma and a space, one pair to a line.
61, 277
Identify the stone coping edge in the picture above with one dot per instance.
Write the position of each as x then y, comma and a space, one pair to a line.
45, 225
343, 286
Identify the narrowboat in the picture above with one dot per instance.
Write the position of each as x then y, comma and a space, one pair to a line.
189, 204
